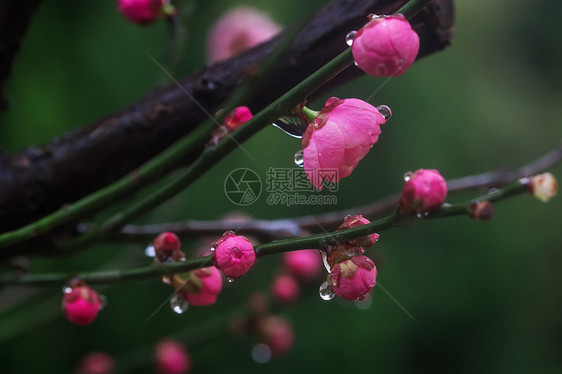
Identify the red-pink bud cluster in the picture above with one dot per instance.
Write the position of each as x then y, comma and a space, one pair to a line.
353, 278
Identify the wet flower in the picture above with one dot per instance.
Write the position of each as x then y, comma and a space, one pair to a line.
424, 192
305, 264
234, 255
171, 357
285, 289
385, 46
81, 304
339, 138
96, 363
237, 30
353, 278
140, 11
355, 221
198, 287
543, 186
277, 333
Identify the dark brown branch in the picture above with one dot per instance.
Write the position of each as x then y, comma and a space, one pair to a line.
15, 16
41, 179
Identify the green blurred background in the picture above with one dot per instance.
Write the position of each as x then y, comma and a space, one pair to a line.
485, 296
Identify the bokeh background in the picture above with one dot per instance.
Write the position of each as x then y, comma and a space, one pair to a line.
485, 296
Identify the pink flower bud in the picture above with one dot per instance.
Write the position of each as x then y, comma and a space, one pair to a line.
385, 46
339, 138
239, 29
167, 247
543, 186
424, 191
171, 357
285, 289
358, 220
81, 305
277, 333
305, 264
140, 11
96, 363
237, 117
353, 278
234, 255
201, 287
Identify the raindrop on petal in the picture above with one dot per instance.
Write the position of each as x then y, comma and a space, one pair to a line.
407, 176
326, 292
325, 261
230, 279
299, 158
178, 304
385, 111
349, 37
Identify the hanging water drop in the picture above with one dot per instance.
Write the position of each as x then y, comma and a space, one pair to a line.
66, 289
419, 215
326, 292
103, 301
349, 37
149, 251
385, 111
261, 353
214, 246
407, 176
292, 126
178, 304
325, 261
230, 279
299, 158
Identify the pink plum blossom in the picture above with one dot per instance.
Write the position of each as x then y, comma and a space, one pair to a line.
424, 192
285, 289
96, 363
140, 11
234, 255
201, 287
277, 333
353, 278
171, 357
237, 117
355, 221
339, 138
81, 305
385, 46
237, 30
305, 264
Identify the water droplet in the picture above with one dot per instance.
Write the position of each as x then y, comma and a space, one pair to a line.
299, 158
325, 261
214, 246
426, 214
326, 292
407, 176
103, 301
292, 126
166, 279
66, 289
178, 304
385, 111
349, 37
365, 302
419, 215
149, 251
261, 353
347, 217
230, 279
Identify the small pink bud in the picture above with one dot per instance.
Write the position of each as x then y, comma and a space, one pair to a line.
201, 287
353, 278
140, 11
234, 255
171, 357
385, 46
81, 305
96, 363
341, 135
277, 333
424, 192
543, 186
305, 264
237, 117
285, 289
239, 29
358, 220
167, 247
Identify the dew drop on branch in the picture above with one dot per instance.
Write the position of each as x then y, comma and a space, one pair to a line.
299, 158
66, 289
349, 37
178, 304
149, 251
326, 292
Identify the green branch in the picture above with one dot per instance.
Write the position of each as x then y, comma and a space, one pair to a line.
319, 241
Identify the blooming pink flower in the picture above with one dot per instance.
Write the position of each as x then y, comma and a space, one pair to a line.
239, 29
339, 138
81, 305
171, 357
277, 333
353, 278
201, 287
285, 289
385, 46
358, 220
237, 117
234, 255
424, 191
304, 264
96, 363
140, 11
